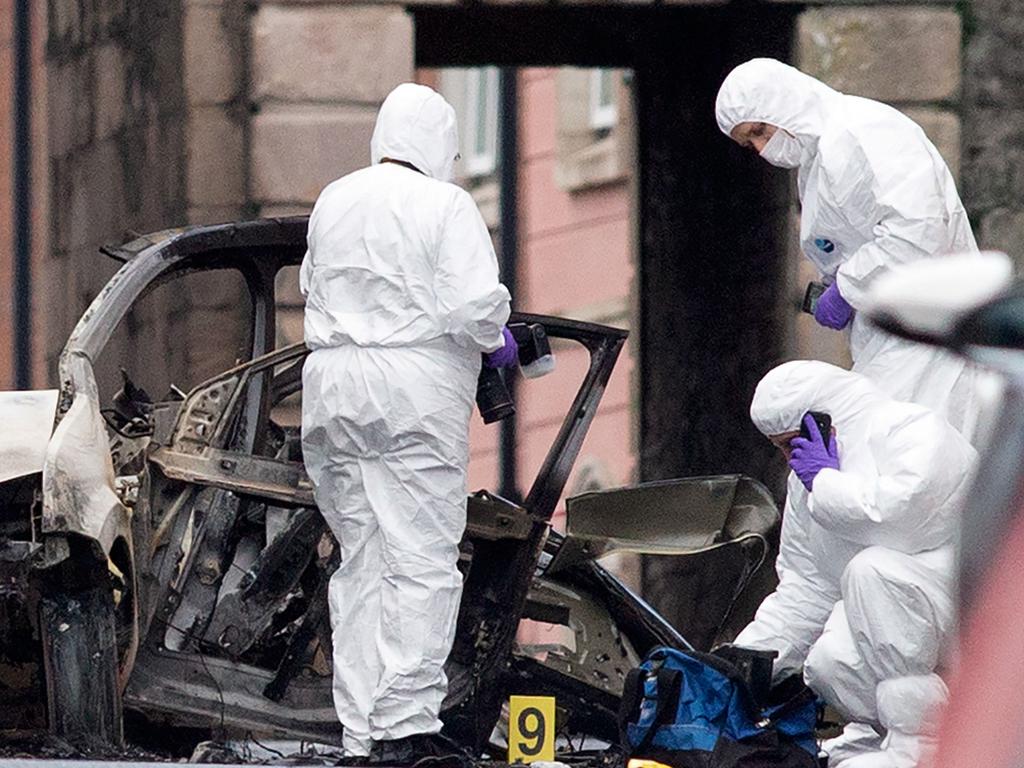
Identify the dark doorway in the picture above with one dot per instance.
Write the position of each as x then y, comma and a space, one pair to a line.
712, 219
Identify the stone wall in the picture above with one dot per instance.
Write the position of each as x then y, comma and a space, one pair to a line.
318, 73
215, 55
201, 111
994, 123
116, 156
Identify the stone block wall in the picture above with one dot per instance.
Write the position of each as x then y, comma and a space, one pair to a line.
319, 72
197, 111
905, 54
214, 52
994, 123
116, 156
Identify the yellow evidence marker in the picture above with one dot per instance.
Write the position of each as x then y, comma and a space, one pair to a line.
531, 728
638, 762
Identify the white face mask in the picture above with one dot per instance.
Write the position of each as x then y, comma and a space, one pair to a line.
782, 150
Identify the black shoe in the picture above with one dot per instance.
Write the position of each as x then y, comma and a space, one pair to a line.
425, 750
353, 761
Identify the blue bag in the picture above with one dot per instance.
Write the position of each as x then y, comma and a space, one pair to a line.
695, 710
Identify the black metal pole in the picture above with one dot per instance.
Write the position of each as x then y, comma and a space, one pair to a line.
508, 116
22, 194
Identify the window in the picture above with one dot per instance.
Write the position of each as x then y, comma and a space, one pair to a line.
595, 136
480, 126
603, 110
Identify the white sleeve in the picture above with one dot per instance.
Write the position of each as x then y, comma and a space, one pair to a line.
896, 241
792, 617
473, 304
900, 200
922, 468
305, 274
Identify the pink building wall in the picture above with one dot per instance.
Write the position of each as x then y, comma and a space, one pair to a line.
575, 257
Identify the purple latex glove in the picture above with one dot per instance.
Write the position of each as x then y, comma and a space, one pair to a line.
832, 310
505, 357
809, 457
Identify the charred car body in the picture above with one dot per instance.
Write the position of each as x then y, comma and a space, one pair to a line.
167, 557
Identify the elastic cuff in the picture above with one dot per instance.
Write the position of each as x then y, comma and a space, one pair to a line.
850, 292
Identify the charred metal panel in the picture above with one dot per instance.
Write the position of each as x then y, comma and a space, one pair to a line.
204, 567
315, 626
670, 517
244, 614
79, 493
80, 650
492, 518
281, 481
188, 689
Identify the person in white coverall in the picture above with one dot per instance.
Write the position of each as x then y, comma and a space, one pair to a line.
874, 194
864, 603
402, 298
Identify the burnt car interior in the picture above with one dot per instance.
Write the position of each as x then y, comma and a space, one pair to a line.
218, 600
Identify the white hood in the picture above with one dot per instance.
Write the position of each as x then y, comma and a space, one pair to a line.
787, 392
768, 91
417, 126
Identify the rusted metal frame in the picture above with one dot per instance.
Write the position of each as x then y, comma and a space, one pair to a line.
242, 616
301, 646
220, 434
492, 518
163, 254
285, 482
504, 595
190, 689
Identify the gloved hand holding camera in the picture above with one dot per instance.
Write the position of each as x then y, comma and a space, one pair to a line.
506, 356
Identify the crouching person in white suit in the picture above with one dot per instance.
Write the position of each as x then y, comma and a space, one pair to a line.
866, 563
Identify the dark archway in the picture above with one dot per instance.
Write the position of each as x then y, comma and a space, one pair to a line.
712, 217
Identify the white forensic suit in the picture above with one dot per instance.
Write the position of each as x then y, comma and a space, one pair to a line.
402, 297
866, 562
874, 194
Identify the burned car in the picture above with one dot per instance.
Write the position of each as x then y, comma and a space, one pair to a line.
164, 555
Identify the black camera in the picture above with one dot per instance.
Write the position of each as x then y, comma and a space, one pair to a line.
811, 296
535, 359
492, 396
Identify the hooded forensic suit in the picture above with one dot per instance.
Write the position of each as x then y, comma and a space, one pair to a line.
865, 596
402, 297
874, 194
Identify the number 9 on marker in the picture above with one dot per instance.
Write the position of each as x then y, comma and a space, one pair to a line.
531, 728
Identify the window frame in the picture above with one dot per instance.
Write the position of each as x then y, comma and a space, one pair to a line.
603, 116
480, 81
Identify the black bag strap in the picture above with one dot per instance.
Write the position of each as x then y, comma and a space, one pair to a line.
801, 699
668, 683
629, 709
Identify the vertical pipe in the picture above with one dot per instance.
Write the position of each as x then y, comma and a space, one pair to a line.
508, 120
22, 194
